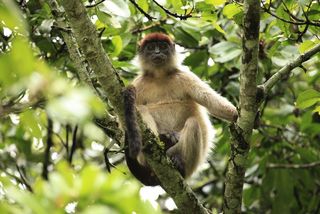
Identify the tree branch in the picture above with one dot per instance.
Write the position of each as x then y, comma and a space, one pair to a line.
90, 45
142, 11
241, 132
297, 22
17, 108
47, 156
293, 166
108, 124
94, 5
284, 71
181, 17
91, 48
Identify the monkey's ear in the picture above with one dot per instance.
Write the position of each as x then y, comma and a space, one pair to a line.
139, 48
173, 46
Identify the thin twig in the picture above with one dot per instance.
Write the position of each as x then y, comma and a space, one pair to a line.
24, 179
267, 10
74, 143
142, 11
17, 178
47, 161
289, 12
67, 138
181, 17
94, 5
299, 39
148, 27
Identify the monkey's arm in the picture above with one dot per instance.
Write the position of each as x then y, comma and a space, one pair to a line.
203, 94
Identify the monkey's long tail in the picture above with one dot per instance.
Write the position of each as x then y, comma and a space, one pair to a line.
132, 128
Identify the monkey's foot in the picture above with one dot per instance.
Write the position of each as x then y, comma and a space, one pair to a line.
178, 164
170, 139
177, 160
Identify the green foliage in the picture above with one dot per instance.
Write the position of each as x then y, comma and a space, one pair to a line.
38, 81
231, 10
68, 191
308, 98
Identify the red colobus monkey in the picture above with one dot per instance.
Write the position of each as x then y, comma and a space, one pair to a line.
171, 102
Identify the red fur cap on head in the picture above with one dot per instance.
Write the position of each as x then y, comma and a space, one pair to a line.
155, 37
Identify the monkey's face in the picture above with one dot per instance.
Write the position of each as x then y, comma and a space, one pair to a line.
158, 53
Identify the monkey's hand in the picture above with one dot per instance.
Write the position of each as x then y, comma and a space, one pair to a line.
170, 139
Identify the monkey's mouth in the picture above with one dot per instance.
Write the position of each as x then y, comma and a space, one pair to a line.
158, 59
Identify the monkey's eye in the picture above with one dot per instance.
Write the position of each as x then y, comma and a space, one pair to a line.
151, 46
163, 46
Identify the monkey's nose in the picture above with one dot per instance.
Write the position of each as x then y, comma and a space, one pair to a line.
157, 50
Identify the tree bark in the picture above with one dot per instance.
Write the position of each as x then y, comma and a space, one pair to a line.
241, 131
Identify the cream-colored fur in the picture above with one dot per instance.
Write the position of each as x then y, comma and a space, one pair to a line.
172, 100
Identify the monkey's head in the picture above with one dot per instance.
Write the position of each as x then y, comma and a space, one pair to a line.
156, 50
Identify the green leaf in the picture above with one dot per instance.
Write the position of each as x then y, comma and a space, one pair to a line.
28, 119
314, 12
144, 5
231, 10
250, 195
196, 58
284, 192
27, 200
117, 43
177, 5
308, 98
11, 17
18, 63
218, 28
283, 14
116, 7
306, 45
228, 56
215, 2
226, 51
22, 57
223, 47
8, 75
184, 37
73, 107
90, 180
99, 209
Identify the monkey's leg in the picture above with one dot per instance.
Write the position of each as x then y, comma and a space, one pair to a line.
185, 155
